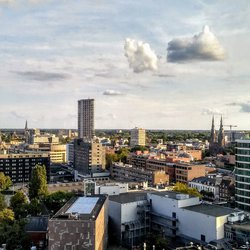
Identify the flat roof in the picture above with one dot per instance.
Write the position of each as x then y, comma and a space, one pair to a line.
174, 195
129, 197
83, 205
211, 210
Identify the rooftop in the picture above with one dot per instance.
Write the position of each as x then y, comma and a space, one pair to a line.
174, 195
81, 208
129, 197
211, 210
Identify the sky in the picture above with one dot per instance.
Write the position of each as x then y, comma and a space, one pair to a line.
156, 64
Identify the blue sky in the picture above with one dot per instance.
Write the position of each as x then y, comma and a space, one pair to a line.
56, 52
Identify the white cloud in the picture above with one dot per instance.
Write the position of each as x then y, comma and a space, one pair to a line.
112, 92
204, 46
211, 111
140, 56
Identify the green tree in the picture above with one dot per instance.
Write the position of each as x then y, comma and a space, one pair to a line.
35, 207
6, 215
183, 188
38, 183
18, 203
5, 181
12, 233
56, 200
2, 202
111, 157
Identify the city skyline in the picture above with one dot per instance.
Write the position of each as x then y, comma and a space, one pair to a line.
54, 53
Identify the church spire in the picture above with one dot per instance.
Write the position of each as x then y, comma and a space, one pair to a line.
213, 133
221, 135
26, 126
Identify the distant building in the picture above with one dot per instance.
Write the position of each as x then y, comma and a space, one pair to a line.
242, 175
138, 137
185, 172
82, 223
57, 152
89, 157
19, 166
127, 172
209, 185
86, 119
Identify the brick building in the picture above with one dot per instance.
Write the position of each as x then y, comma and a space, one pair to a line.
80, 224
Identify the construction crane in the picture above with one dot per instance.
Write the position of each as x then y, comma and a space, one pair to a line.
230, 126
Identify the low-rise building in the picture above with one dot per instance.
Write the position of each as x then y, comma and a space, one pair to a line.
173, 214
126, 172
209, 185
80, 224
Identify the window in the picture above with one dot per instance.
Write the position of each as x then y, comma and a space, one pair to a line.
203, 237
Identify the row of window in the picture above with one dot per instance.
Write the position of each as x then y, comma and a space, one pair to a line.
242, 158
242, 172
243, 186
243, 179
243, 145
243, 151
241, 199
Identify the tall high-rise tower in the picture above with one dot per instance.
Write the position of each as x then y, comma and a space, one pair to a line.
242, 175
221, 135
86, 119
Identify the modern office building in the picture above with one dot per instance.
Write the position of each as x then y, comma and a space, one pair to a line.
82, 223
242, 175
86, 119
89, 157
138, 137
19, 166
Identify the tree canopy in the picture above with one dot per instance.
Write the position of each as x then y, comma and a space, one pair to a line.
38, 182
5, 181
183, 188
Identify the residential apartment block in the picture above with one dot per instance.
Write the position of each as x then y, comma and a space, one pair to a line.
86, 119
137, 137
19, 166
89, 157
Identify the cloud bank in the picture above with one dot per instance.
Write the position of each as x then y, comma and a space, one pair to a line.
140, 56
112, 92
204, 46
42, 75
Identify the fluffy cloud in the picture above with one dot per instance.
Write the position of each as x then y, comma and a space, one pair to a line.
140, 56
42, 75
204, 46
112, 92
209, 111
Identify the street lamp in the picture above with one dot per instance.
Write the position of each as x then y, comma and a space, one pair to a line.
247, 244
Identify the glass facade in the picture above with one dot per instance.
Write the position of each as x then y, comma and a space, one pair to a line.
242, 175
